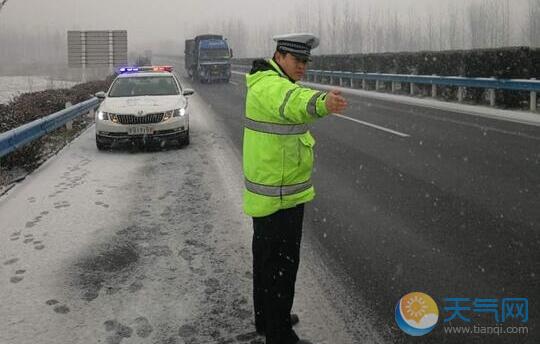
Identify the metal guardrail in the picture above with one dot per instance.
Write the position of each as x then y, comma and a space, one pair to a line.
489, 83
16, 138
492, 84
351, 79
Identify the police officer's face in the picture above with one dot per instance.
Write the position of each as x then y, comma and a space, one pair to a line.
292, 65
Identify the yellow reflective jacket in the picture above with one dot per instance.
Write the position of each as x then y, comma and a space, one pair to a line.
278, 147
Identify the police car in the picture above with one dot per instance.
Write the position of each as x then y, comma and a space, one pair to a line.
145, 104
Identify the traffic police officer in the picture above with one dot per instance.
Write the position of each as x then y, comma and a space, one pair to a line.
277, 162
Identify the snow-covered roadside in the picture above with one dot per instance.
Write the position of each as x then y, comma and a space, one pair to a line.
11, 86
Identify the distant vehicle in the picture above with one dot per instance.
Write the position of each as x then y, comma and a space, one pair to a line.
208, 58
145, 59
145, 104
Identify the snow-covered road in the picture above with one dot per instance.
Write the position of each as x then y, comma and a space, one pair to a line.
146, 247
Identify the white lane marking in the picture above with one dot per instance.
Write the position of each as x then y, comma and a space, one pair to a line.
373, 125
483, 128
232, 82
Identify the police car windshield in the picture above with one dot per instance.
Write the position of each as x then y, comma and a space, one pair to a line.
144, 86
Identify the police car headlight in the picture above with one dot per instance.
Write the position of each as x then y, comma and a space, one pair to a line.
103, 116
179, 112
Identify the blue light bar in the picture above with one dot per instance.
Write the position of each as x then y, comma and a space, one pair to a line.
128, 70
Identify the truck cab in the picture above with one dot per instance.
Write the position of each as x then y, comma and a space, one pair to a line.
208, 58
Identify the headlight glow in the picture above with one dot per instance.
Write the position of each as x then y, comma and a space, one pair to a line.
103, 116
180, 112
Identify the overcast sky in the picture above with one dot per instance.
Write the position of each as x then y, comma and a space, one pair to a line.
166, 20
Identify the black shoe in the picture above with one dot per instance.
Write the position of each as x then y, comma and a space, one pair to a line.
294, 320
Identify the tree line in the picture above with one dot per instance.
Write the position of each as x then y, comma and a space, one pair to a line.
346, 27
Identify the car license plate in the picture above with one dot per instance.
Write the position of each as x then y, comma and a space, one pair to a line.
140, 131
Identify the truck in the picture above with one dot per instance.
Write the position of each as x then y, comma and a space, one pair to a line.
144, 59
208, 58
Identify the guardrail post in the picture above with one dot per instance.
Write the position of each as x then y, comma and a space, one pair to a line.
377, 85
394, 87
364, 84
491, 93
460, 94
341, 81
533, 99
412, 89
434, 90
91, 113
69, 124
491, 97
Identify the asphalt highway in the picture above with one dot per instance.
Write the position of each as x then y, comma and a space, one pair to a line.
420, 199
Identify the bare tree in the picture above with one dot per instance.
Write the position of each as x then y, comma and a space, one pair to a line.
393, 31
478, 23
454, 36
2, 4
489, 22
533, 31
506, 23
430, 33
346, 26
357, 33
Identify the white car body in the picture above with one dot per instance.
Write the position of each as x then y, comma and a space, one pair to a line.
162, 118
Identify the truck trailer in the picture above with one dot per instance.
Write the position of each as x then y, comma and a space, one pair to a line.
208, 58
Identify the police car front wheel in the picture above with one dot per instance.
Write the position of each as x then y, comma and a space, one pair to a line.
184, 140
102, 145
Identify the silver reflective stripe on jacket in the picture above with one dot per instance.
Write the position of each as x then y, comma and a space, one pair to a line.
277, 129
277, 191
312, 105
282, 107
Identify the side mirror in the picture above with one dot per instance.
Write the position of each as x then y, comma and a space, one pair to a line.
101, 95
188, 92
